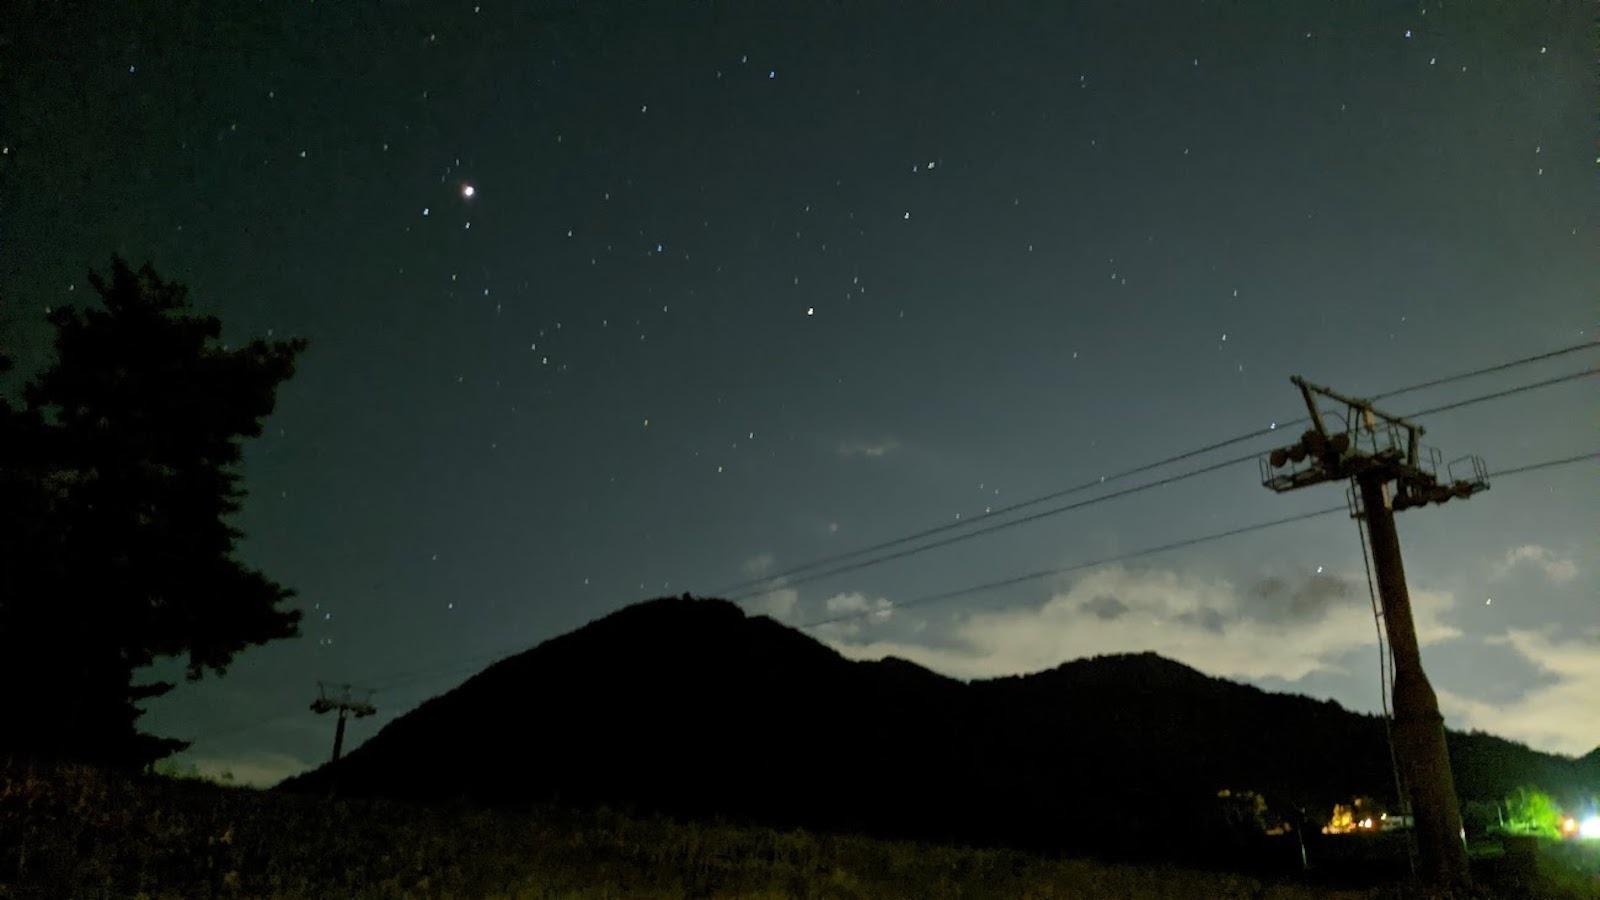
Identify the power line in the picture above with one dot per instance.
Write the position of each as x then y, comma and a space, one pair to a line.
772, 580
1487, 370
1547, 464
468, 663
414, 675
1000, 526
461, 665
1189, 454
950, 540
1062, 570
1162, 548
1570, 376
777, 582
471, 662
784, 575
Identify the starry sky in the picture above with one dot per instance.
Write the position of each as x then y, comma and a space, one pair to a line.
614, 300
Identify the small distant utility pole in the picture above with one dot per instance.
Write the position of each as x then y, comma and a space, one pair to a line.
342, 699
1370, 449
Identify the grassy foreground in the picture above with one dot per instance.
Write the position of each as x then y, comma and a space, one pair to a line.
74, 831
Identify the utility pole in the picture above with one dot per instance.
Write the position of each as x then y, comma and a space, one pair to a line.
342, 700
1370, 449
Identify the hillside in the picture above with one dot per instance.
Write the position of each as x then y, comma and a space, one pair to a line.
690, 707
156, 838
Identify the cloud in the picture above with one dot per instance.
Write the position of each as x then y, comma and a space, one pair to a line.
1558, 569
1283, 628
858, 611
842, 604
1277, 599
1106, 607
758, 565
779, 603
869, 449
1557, 716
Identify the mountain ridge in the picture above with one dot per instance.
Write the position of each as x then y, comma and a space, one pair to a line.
692, 707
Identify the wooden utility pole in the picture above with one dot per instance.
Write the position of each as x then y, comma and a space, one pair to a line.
343, 701
1370, 449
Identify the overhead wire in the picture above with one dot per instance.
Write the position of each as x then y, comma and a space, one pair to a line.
1161, 548
1547, 464
784, 578
1522, 388
1001, 526
1487, 370
471, 663
463, 665
1062, 570
456, 666
844, 567
776, 579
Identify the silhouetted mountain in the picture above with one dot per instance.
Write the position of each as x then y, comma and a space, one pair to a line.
690, 707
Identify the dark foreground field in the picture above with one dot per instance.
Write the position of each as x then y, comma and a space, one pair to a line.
75, 832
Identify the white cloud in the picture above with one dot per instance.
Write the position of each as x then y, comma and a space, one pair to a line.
1278, 629
778, 603
855, 610
1556, 568
853, 602
1559, 716
869, 449
759, 565
776, 599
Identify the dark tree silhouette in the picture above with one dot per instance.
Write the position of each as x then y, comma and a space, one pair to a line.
118, 474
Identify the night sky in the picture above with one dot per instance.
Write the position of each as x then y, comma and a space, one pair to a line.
612, 300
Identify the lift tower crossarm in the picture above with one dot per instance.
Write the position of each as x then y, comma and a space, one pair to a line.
341, 701
1414, 432
1311, 404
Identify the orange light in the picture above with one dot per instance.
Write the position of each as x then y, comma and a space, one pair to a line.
1569, 826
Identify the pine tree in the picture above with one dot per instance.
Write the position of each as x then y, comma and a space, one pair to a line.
118, 475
